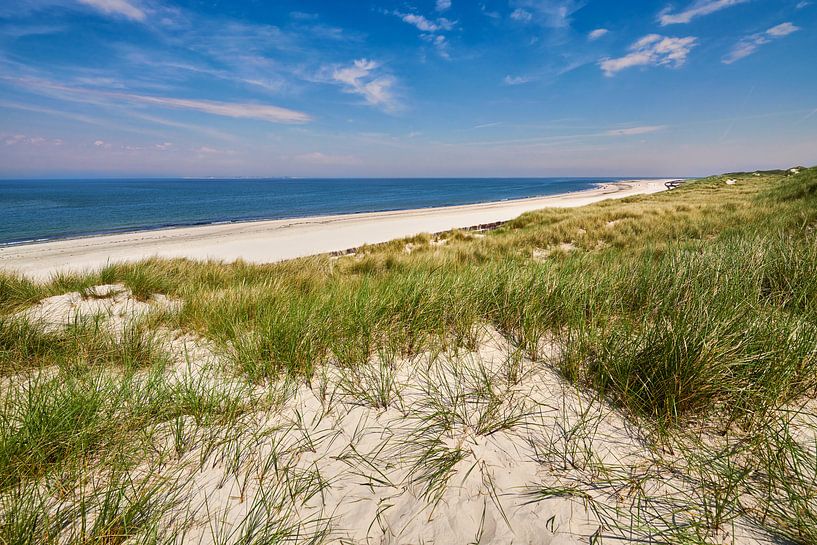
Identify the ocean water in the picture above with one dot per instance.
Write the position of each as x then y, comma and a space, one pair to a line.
36, 210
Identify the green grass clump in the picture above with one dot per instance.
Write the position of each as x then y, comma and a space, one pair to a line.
25, 346
16, 292
48, 421
718, 328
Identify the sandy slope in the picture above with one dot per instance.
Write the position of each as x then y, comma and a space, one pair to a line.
484, 446
266, 241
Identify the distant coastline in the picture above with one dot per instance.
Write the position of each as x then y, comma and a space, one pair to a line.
265, 241
170, 226
47, 213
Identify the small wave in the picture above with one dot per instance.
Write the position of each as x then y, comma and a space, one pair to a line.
27, 241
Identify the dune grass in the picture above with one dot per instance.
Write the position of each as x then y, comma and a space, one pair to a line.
687, 310
699, 299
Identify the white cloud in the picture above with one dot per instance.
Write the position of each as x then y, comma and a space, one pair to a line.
520, 14
443, 5
101, 97
430, 29
634, 131
425, 25
802, 5
516, 80
486, 125
698, 8
122, 8
598, 33
361, 80
783, 29
651, 50
546, 13
15, 139
744, 48
750, 44
262, 112
420, 22
439, 42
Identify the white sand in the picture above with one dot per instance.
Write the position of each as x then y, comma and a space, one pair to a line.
474, 447
114, 304
268, 241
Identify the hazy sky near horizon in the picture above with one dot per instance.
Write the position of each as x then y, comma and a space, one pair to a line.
405, 88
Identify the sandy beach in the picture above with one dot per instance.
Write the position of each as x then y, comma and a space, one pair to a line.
276, 240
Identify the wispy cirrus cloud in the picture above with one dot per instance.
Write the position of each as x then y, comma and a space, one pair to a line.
522, 15
546, 13
558, 139
243, 110
262, 112
651, 50
26, 140
752, 43
443, 5
259, 57
597, 34
424, 24
84, 119
362, 78
486, 125
121, 8
699, 8
783, 29
431, 30
10, 31
635, 131
187, 47
516, 80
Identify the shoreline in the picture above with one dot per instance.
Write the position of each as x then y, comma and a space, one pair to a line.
265, 241
170, 226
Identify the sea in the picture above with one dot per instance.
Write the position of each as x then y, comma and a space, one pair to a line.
41, 210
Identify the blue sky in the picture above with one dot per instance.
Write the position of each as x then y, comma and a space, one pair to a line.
414, 88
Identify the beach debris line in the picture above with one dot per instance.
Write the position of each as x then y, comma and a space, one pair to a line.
477, 229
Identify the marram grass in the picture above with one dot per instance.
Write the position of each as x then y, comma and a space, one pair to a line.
699, 299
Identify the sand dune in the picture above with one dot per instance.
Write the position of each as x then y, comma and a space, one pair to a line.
268, 241
475, 447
